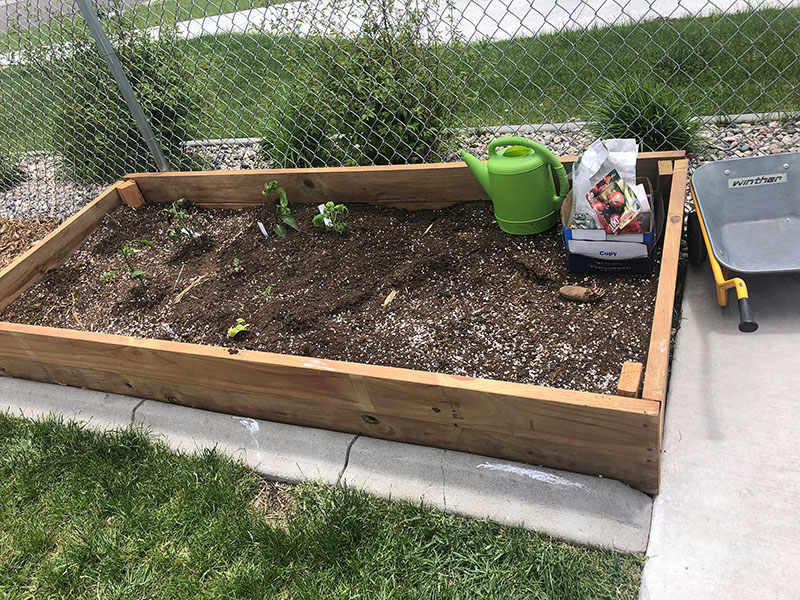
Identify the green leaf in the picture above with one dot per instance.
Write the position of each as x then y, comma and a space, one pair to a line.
290, 221
282, 195
280, 229
318, 220
137, 273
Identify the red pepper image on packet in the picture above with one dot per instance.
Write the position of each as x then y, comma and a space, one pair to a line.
615, 204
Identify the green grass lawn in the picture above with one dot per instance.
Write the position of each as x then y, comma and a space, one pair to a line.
90, 515
737, 62
716, 63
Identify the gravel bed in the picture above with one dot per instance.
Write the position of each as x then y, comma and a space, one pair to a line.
44, 195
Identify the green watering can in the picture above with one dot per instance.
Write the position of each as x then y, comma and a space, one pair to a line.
519, 180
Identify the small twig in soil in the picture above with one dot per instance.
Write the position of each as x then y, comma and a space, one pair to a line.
389, 298
602, 310
75, 314
428, 229
180, 296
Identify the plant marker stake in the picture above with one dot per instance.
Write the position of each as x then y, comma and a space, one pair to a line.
179, 277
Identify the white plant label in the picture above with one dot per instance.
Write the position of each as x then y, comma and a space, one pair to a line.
326, 220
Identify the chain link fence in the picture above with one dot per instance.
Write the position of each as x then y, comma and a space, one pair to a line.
254, 84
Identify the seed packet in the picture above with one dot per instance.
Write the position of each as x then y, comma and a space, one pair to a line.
615, 204
599, 159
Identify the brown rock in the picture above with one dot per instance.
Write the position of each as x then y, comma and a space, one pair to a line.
578, 293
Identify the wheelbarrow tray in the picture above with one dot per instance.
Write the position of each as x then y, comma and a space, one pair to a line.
751, 211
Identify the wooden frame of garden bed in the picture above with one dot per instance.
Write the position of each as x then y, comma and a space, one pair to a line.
616, 436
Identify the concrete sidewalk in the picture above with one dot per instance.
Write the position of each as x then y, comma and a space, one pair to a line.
577, 508
727, 521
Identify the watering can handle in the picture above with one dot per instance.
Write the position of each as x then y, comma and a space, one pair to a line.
550, 158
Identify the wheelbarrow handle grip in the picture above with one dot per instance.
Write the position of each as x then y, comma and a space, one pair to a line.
746, 323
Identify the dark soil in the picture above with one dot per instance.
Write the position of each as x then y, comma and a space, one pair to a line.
17, 235
468, 299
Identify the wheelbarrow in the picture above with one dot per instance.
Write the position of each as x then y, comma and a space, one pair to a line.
747, 220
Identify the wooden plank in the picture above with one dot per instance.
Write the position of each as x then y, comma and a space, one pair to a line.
54, 249
655, 377
404, 186
130, 194
589, 433
664, 176
630, 380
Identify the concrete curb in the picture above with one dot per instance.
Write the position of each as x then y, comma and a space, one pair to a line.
275, 450
578, 508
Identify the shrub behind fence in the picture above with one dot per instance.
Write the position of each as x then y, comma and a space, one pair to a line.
329, 82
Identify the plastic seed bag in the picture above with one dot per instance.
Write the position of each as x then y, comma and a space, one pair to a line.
599, 160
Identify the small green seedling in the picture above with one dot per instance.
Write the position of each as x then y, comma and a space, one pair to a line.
238, 328
269, 289
282, 212
107, 276
236, 267
129, 249
183, 224
287, 262
333, 217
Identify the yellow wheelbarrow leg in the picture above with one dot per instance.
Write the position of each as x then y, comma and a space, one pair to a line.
724, 282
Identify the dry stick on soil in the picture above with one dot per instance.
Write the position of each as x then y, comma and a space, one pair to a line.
180, 296
389, 298
75, 314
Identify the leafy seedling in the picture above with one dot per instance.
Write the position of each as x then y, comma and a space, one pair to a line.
129, 249
236, 267
287, 262
281, 211
107, 276
238, 328
183, 224
268, 290
333, 217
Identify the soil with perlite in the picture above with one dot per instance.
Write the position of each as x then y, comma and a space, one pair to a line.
434, 290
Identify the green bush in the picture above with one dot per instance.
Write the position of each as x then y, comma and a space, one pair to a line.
10, 173
656, 118
382, 96
94, 134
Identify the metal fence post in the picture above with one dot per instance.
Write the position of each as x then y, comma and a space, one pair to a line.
125, 88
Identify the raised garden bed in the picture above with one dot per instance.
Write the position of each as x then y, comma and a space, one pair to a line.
475, 319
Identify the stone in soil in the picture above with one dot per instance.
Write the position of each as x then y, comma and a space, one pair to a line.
471, 300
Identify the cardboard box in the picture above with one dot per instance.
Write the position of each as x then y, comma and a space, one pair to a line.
595, 251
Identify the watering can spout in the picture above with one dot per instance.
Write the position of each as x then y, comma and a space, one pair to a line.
479, 170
